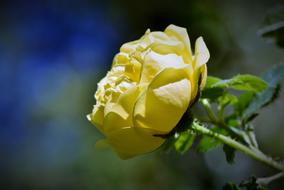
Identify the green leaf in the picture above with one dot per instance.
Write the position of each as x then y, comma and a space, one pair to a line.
209, 92
232, 120
220, 96
211, 81
215, 89
206, 143
243, 83
184, 141
212, 93
272, 77
273, 26
259, 101
243, 102
230, 186
227, 99
230, 153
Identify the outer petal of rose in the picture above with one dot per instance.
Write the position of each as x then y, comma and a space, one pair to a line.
137, 44
164, 102
194, 78
128, 142
115, 117
157, 36
199, 74
163, 44
128, 99
182, 35
130, 46
203, 75
97, 117
121, 58
167, 47
199, 65
175, 47
201, 53
154, 63
119, 114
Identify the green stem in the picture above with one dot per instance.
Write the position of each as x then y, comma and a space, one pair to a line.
254, 153
214, 120
208, 109
267, 180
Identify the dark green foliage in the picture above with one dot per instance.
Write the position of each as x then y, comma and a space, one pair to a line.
184, 141
230, 186
227, 99
274, 75
230, 153
212, 93
243, 102
251, 184
273, 26
206, 143
243, 83
253, 94
273, 78
217, 90
210, 81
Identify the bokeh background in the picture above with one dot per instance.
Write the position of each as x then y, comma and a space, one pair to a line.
53, 53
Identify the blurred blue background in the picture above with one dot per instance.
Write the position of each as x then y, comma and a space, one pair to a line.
53, 53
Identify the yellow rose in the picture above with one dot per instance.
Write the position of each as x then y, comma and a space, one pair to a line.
151, 84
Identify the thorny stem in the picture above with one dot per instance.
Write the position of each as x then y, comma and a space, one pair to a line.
217, 121
267, 180
254, 153
251, 150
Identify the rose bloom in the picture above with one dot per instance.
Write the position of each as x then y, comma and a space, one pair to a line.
151, 84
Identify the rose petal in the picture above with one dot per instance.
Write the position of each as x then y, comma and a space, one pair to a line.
128, 98
154, 63
119, 114
201, 53
128, 142
164, 102
182, 35
203, 75
115, 117
97, 117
